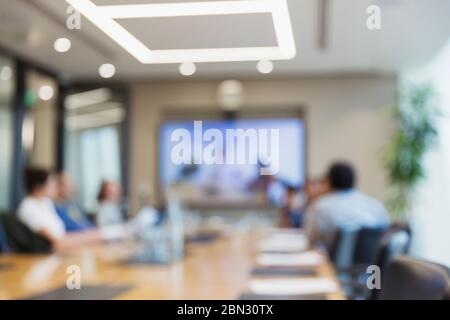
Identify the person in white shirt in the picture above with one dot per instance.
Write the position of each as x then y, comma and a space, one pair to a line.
38, 213
343, 207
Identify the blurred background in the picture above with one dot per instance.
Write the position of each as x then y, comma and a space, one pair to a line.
74, 100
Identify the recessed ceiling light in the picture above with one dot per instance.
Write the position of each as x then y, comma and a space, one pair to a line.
231, 95
187, 68
6, 73
107, 70
62, 45
265, 66
104, 17
46, 93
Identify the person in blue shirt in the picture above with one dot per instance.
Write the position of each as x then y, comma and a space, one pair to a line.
69, 211
343, 207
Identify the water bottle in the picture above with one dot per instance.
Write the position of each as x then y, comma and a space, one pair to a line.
175, 227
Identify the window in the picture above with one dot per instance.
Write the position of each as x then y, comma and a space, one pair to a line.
7, 83
94, 124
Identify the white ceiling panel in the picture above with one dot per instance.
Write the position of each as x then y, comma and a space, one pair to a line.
412, 32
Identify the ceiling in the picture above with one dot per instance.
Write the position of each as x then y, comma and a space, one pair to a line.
412, 32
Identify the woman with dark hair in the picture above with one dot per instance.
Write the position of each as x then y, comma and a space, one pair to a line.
109, 209
38, 213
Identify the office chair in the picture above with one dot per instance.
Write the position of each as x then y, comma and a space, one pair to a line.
447, 294
396, 242
352, 252
408, 278
17, 237
367, 245
341, 249
4, 247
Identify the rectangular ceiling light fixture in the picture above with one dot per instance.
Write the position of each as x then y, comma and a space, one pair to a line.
104, 17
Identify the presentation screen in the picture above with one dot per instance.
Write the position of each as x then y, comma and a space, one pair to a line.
232, 154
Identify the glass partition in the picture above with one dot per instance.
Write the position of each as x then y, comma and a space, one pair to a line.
7, 89
94, 126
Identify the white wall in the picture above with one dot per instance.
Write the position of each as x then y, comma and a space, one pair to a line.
431, 211
346, 119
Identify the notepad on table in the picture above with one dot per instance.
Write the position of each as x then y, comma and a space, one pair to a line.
293, 286
285, 242
281, 244
308, 258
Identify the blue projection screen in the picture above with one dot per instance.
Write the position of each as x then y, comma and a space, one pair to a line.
233, 176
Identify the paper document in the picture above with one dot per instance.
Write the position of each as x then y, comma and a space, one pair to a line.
308, 258
293, 286
284, 244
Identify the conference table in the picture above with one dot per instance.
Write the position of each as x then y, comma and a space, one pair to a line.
219, 269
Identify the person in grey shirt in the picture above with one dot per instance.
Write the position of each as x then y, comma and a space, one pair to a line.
343, 207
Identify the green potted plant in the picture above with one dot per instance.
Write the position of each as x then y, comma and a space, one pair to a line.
415, 116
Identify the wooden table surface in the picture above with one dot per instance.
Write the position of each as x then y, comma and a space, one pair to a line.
217, 270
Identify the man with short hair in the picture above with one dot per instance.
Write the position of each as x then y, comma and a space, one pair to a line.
343, 207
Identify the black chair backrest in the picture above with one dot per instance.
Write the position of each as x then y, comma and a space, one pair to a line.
408, 278
19, 238
447, 294
395, 243
367, 245
4, 247
342, 248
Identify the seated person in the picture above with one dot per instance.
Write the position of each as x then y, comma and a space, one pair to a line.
343, 207
291, 215
109, 209
68, 210
38, 213
297, 202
